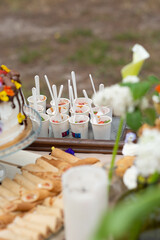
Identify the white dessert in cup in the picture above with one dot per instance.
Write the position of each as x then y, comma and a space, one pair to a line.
42, 101
60, 128
82, 101
79, 126
101, 111
51, 111
63, 102
102, 128
80, 110
40, 108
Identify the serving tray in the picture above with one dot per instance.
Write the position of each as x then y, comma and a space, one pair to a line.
82, 145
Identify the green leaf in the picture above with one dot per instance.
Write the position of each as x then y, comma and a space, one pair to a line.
134, 120
149, 116
121, 220
139, 89
153, 80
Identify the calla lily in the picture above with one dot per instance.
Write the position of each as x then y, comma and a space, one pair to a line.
139, 56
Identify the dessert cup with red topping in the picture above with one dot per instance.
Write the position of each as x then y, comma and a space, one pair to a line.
101, 128
80, 110
42, 101
51, 111
101, 111
63, 102
79, 126
60, 128
82, 101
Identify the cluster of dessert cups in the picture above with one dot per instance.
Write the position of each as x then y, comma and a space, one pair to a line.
73, 123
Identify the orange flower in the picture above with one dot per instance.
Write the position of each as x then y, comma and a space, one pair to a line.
9, 91
157, 88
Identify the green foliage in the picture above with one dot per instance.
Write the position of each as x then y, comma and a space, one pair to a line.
125, 218
127, 36
149, 116
92, 53
134, 119
140, 89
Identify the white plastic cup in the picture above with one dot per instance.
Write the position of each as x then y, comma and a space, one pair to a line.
82, 101
79, 129
51, 111
101, 111
40, 108
85, 200
80, 110
102, 131
60, 129
45, 125
42, 101
63, 102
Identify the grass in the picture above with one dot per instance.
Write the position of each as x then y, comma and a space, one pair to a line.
92, 53
127, 36
28, 55
74, 34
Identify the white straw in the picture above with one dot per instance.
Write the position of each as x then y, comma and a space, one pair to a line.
69, 84
74, 83
34, 94
54, 88
101, 87
93, 86
73, 103
37, 84
60, 92
89, 104
49, 87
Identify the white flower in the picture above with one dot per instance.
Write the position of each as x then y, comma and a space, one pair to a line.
117, 97
131, 79
144, 103
130, 177
156, 99
148, 154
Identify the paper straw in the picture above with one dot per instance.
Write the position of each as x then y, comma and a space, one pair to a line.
93, 86
89, 104
34, 94
101, 87
37, 84
74, 83
49, 87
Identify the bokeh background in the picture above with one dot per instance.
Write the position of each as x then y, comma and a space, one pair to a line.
54, 37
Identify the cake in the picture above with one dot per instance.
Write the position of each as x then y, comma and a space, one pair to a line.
13, 120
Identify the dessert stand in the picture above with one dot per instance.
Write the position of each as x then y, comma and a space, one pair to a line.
28, 139
23, 143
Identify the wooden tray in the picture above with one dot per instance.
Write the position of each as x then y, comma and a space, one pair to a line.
81, 145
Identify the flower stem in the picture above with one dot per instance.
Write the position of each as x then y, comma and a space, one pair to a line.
116, 145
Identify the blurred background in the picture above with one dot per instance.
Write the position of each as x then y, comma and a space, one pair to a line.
54, 37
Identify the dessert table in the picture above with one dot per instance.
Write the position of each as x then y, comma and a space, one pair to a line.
23, 157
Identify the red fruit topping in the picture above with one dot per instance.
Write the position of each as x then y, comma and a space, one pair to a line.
79, 111
62, 103
101, 122
81, 103
55, 121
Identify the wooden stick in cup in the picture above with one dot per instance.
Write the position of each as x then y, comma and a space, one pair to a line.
93, 86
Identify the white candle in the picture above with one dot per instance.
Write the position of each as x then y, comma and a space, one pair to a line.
85, 199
